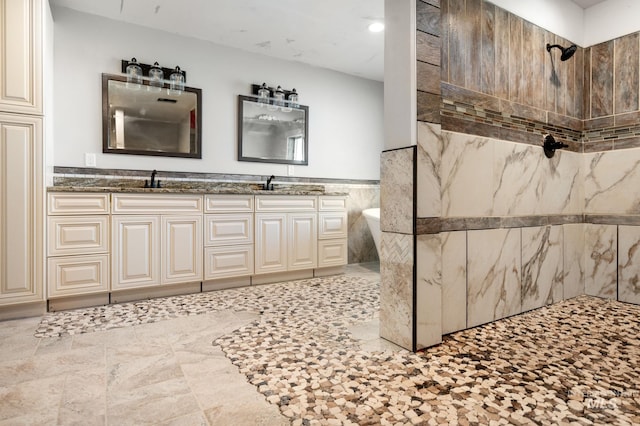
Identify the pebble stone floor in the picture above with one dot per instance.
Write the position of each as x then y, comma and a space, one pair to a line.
308, 351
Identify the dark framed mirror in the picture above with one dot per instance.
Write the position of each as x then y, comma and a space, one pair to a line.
145, 120
268, 133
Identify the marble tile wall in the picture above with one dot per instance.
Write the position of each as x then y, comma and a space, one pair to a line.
573, 258
629, 264
611, 182
454, 281
494, 281
482, 177
428, 291
397, 263
397, 289
542, 266
430, 148
600, 264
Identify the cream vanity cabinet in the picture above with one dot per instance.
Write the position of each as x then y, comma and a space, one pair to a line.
156, 240
228, 236
286, 233
21, 56
77, 244
22, 198
332, 231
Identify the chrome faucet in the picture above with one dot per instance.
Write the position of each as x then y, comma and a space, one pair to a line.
154, 183
269, 186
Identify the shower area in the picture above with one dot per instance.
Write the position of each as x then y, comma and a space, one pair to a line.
478, 222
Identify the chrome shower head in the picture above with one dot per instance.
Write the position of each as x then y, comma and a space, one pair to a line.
567, 52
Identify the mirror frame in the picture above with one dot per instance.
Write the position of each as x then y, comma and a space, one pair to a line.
241, 157
106, 122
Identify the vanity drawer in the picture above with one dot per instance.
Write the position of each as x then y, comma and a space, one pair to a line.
78, 235
74, 275
332, 252
61, 203
332, 225
332, 203
156, 204
215, 203
269, 203
228, 261
226, 229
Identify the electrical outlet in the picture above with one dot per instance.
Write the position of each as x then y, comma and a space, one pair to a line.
290, 170
89, 159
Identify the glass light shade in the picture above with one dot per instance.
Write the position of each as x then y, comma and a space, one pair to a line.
134, 72
176, 81
293, 99
156, 77
279, 97
263, 94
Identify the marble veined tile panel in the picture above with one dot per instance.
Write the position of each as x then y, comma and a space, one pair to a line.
396, 289
396, 190
493, 275
428, 291
573, 257
466, 175
542, 266
611, 182
454, 281
629, 264
526, 182
429, 159
600, 260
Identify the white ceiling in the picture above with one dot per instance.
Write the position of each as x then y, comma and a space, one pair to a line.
585, 4
325, 33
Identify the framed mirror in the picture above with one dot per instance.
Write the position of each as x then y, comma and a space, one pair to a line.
145, 120
272, 134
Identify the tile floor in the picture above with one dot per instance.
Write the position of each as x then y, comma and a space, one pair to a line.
307, 352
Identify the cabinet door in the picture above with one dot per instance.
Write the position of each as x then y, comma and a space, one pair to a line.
21, 209
136, 251
181, 249
21, 56
271, 243
302, 241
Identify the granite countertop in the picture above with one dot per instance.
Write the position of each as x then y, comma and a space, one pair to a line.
184, 187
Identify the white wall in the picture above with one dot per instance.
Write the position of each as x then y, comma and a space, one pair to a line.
611, 19
400, 91
561, 17
585, 27
346, 112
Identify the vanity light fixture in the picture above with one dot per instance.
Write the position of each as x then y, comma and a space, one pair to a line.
274, 99
155, 76
376, 27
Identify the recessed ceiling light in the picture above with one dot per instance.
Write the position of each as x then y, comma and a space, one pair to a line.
376, 27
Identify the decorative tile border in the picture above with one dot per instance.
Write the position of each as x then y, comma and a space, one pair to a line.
463, 110
437, 224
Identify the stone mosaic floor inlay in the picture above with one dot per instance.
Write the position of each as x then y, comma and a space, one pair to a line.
575, 362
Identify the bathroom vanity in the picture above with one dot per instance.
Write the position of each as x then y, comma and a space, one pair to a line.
108, 245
